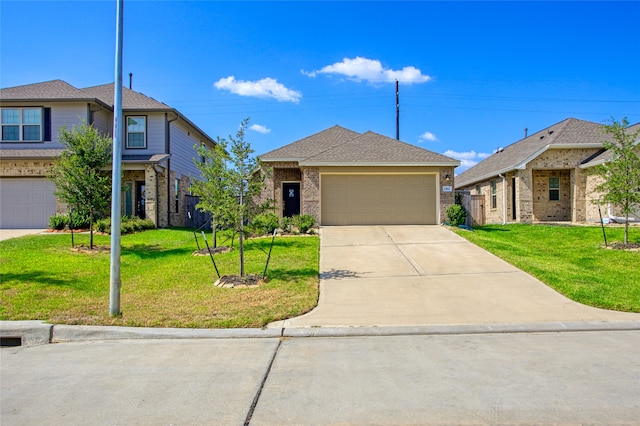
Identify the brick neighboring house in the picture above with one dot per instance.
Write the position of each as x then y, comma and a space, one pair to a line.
157, 155
346, 178
543, 177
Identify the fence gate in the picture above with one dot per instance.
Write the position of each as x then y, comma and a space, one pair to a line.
194, 218
476, 209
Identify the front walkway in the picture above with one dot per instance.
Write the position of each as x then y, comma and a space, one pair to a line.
428, 275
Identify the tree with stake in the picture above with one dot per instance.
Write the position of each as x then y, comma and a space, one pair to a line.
80, 174
620, 175
231, 180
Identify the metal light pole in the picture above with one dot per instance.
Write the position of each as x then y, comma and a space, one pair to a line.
114, 282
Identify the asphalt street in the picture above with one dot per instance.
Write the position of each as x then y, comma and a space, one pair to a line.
504, 378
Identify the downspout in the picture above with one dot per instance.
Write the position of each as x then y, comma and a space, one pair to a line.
504, 198
167, 149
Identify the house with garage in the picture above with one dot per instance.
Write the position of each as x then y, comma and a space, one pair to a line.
342, 177
157, 155
542, 178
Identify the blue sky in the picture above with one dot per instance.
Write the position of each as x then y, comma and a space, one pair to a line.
473, 75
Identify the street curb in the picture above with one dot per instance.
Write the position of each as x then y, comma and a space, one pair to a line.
34, 333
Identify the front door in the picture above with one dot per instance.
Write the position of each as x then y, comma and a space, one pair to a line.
140, 199
290, 199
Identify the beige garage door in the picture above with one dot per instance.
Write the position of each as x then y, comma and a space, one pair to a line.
26, 202
378, 200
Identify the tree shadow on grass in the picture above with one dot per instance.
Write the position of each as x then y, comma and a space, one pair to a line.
38, 277
154, 251
291, 274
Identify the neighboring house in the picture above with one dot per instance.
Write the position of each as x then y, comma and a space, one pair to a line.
157, 155
543, 177
342, 177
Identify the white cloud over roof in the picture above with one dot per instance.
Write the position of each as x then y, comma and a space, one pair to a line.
371, 70
264, 88
260, 128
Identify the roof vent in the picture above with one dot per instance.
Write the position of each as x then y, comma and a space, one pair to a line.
542, 137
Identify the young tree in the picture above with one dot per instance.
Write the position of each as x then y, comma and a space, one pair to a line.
620, 175
80, 174
231, 180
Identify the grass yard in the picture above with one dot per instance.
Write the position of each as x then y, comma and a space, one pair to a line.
163, 285
570, 259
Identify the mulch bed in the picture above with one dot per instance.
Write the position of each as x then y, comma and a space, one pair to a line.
620, 246
235, 281
82, 248
205, 251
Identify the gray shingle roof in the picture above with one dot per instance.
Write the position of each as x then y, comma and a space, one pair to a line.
340, 146
311, 145
130, 99
605, 155
30, 153
55, 89
566, 134
373, 148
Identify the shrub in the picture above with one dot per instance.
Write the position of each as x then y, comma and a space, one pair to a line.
58, 221
128, 225
285, 224
456, 215
264, 223
79, 220
303, 222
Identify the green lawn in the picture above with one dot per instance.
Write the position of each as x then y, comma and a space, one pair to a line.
570, 259
163, 285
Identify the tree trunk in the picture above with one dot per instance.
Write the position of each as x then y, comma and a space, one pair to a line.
90, 230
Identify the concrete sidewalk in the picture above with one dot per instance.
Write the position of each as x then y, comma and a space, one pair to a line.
6, 234
425, 276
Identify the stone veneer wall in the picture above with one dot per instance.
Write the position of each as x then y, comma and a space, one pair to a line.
446, 198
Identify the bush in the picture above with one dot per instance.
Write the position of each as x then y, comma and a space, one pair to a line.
285, 224
128, 225
303, 222
264, 223
58, 222
456, 215
79, 220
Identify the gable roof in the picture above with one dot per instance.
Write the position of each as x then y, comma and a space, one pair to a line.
54, 90
570, 133
338, 146
131, 100
311, 145
605, 155
61, 91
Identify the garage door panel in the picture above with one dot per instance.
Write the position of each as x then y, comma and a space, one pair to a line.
26, 202
378, 199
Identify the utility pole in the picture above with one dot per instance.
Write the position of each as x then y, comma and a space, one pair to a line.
397, 111
114, 282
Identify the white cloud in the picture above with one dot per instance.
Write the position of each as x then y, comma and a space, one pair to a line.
428, 137
259, 128
371, 70
467, 159
265, 88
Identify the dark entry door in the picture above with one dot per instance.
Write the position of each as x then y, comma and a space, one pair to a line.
290, 199
140, 199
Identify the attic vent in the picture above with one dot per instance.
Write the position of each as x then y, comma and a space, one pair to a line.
542, 137
550, 131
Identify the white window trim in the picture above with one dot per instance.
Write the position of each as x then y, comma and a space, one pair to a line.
21, 125
127, 132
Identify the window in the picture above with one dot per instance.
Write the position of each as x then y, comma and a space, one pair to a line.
494, 194
136, 132
22, 125
177, 192
478, 190
554, 189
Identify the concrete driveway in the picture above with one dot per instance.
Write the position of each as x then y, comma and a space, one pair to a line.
426, 275
6, 234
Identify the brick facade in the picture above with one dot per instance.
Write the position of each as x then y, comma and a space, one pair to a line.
533, 203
